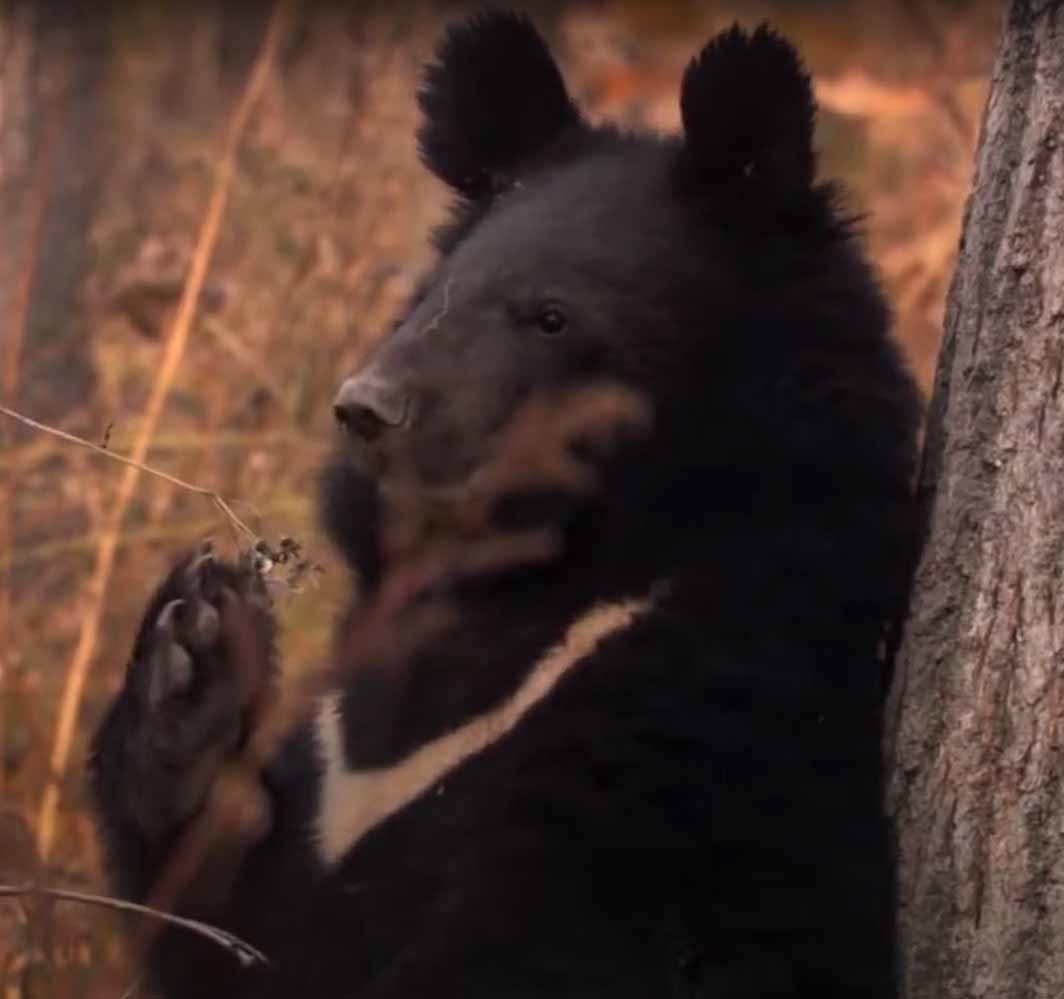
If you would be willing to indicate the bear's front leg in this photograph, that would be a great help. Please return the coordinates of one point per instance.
(203, 656)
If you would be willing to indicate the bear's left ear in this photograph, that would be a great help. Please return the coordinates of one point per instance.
(748, 112)
(493, 98)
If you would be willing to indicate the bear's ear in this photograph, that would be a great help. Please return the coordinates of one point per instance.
(493, 98)
(748, 111)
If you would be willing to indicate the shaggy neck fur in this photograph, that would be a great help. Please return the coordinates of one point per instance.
(353, 802)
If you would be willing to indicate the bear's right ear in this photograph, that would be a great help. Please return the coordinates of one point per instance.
(493, 98)
(748, 111)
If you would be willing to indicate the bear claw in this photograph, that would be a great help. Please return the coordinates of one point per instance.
(164, 623)
(171, 672)
(205, 627)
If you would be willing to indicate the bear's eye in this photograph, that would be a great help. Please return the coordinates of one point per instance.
(551, 320)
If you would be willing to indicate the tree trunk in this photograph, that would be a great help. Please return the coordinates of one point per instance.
(978, 702)
(52, 60)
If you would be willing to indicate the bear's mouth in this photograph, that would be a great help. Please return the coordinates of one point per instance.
(403, 461)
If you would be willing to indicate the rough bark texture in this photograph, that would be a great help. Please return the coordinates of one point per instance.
(52, 60)
(978, 703)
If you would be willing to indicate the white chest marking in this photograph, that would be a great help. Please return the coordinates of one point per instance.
(352, 802)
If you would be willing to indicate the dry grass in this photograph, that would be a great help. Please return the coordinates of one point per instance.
(173, 352)
(223, 292)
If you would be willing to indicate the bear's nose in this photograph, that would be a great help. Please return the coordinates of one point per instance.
(368, 406)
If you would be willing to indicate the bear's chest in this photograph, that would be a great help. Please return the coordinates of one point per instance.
(354, 801)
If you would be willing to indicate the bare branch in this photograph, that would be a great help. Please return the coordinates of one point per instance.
(241, 950)
(214, 497)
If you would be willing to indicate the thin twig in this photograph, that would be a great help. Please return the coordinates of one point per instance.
(77, 672)
(243, 951)
(214, 497)
(191, 529)
(33, 452)
(134, 988)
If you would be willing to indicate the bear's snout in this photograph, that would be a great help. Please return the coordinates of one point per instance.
(367, 405)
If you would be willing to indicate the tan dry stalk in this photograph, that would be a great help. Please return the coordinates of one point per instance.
(77, 672)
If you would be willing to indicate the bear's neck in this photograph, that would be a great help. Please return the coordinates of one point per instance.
(814, 582)
(817, 577)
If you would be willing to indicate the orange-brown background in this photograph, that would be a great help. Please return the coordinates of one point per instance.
(112, 135)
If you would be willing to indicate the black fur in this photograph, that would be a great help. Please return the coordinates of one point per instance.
(493, 99)
(748, 109)
(695, 810)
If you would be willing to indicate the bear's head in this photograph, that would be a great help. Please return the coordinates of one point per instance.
(710, 272)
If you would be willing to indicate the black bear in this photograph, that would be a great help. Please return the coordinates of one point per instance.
(650, 766)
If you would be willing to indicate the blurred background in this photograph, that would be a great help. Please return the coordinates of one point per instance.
(207, 213)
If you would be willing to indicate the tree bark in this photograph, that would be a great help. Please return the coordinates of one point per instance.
(52, 60)
(977, 708)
